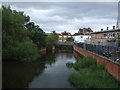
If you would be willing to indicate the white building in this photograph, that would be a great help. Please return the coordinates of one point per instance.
(82, 35)
(81, 38)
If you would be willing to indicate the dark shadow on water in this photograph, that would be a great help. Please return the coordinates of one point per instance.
(49, 69)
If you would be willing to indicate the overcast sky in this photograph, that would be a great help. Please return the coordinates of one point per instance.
(69, 16)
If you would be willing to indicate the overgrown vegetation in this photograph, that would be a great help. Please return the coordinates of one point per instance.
(91, 75)
(36, 34)
(20, 39)
(70, 39)
(70, 65)
(51, 40)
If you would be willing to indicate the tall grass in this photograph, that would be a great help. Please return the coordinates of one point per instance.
(91, 75)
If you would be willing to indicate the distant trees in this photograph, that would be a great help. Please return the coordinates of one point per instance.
(70, 39)
(16, 43)
(50, 41)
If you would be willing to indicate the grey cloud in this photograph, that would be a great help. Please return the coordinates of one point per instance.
(69, 16)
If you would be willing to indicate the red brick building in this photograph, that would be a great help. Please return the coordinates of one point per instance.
(63, 36)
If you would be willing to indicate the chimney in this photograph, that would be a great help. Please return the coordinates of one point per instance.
(113, 27)
(101, 29)
(107, 28)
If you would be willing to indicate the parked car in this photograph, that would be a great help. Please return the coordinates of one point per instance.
(118, 59)
(106, 53)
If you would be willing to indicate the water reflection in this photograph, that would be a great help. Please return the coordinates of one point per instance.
(48, 72)
(16, 75)
(56, 74)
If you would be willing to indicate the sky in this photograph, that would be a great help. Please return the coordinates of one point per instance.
(69, 16)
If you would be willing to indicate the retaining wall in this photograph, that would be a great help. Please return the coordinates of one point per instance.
(112, 67)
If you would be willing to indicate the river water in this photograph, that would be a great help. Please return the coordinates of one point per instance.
(48, 72)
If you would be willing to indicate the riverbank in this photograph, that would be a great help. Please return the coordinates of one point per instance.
(111, 67)
(91, 75)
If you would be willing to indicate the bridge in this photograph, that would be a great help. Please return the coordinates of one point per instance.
(65, 43)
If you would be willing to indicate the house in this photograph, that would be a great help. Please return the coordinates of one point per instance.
(82, 35)
(63, 36)
(104, 37)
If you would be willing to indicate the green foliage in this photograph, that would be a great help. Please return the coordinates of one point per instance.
(50, 41)
(70, 39)
(36, 34)
(90, 79)
(70, 65)
(84, 62)
(91, 75)
(15, 40)
(24, 51)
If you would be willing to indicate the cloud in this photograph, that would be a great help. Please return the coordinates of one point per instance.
(69, 16)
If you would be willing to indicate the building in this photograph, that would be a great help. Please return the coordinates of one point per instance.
(63, 36)
(118, 21)
(82, 35)
(104, 37)
(84, 31)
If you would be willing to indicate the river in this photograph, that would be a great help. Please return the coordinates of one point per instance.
(48, 72)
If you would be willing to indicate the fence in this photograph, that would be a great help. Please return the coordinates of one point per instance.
(110, 52)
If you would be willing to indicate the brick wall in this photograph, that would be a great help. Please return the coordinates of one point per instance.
(111, 67)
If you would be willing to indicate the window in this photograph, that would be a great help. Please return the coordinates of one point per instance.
(60, 36)
(64, 40)
(104, 35)
(65, 36)
(113, 34)
(60, 40)
(118, 34)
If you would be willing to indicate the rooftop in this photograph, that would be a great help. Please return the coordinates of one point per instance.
(112, 30)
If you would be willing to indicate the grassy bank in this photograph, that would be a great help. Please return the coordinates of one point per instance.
(91, 75)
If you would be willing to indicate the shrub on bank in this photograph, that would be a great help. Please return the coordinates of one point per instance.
(91, 75)
(85, 62)
(24, 51)
(69, 64)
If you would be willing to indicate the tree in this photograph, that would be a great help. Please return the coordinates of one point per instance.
(50, 41)
(70, 39)
(36, 34)
(16, 43)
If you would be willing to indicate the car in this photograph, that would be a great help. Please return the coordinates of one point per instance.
(118, 59)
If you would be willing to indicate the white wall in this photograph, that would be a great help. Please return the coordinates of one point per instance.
(81, 38)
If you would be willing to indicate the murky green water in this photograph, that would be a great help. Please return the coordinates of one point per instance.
(49, 72)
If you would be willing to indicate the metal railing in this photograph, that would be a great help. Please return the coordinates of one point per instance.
(110, 52)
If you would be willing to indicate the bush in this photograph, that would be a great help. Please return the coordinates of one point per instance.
(84, 62)
(24, 51)
(16, 44)
(69, 64)
(91, 75)
(90, 79)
